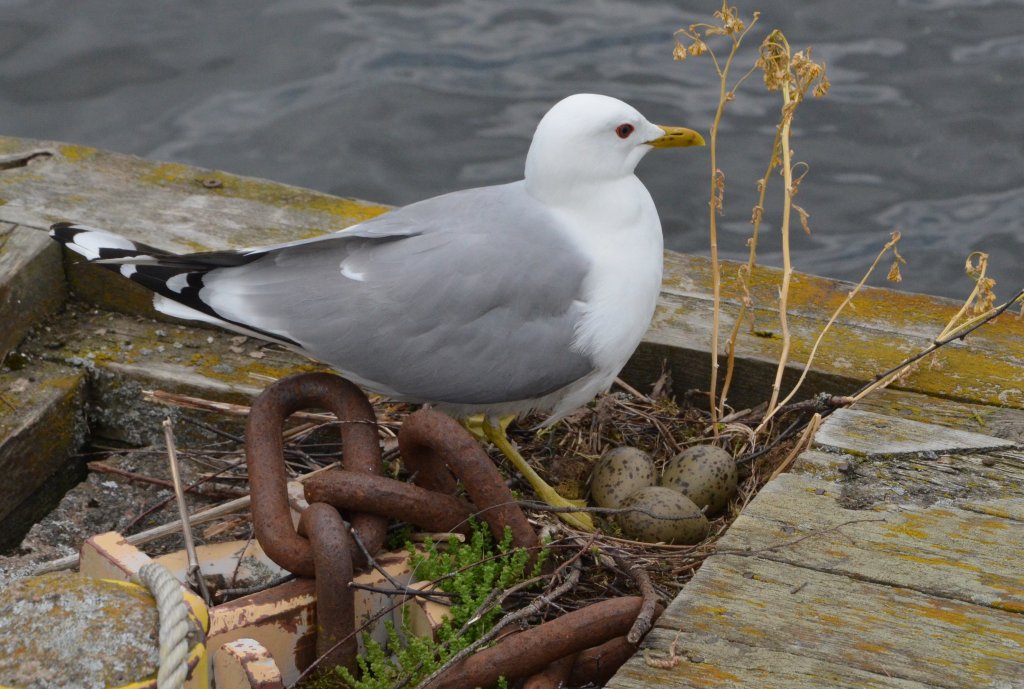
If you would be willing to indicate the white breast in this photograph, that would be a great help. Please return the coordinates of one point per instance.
(624, 242)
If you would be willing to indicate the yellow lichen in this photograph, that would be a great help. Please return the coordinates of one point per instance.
(224, 184)
(74, 153)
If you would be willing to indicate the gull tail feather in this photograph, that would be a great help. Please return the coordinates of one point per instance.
(176, 279)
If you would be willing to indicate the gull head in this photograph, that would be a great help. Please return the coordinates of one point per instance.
(588, 138)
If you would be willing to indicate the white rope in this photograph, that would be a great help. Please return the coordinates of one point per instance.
(170, 605)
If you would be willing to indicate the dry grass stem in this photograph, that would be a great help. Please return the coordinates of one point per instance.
(731, 26)
(957, 333)
(746, 273)
(772, 411)
(804, 443)
(195, 573)
(793, 75)
(980, 300)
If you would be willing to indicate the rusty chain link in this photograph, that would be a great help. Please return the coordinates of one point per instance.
(430, 441)
(264, 451)
(335, 600)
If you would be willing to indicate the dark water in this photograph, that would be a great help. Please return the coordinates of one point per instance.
(395, 101)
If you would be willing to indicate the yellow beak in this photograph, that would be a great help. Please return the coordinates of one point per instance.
(676, 137)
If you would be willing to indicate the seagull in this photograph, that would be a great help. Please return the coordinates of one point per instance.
(522, 297)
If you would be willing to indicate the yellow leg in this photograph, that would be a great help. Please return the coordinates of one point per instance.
(475, 424)
(496, 434)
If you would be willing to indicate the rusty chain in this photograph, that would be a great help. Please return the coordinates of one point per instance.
(584, 646)
(264, 451)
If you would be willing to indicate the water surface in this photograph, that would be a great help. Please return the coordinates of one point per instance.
(397, 101)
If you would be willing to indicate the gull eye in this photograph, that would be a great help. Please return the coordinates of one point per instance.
(624, 130)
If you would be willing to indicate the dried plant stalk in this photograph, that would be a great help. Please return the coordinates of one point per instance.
(890, 246)
(731, 26)
(980, 302)
(793, 75)
(746, 273)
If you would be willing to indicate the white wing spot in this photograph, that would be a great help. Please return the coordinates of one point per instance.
(178, 282)
(128, 270)
(90, 242)
(352, 274)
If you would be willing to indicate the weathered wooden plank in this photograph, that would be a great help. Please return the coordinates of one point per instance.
(173, 206)
(927, 479)
(940, 550)
(125, 355)
(989, 483)
(31, 282)
(707, 662)
(868, 434)
(883, 630)
(1000, 422)
(1006, 508)
(42, 423)
(882, 329)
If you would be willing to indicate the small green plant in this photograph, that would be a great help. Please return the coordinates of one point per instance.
(476, 573)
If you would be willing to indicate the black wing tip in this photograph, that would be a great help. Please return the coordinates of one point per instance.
(64, 232)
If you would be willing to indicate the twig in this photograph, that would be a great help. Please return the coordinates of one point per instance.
(225, 594)
(407, 591)
(201, 517)
(372, 562)
(773, 409)
(102, 468)
(802, 444)
(790, 431)
(746, 273)
(793, 75)
(195, 484)
(195, 572)
(213, 429)
(645, 618)
(631, 390)
(200, 404)
(715, 204)
(960, 333)
(787, 265)
(241, 553)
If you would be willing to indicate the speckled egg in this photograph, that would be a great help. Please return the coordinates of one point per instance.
(619, 472)
(662, 515)
(704, 473)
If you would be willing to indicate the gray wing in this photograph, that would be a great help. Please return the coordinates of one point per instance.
(468, 298)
